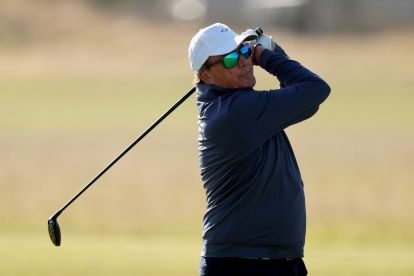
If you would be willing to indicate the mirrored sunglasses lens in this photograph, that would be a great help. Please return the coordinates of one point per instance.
(246, 51)
(231, 60)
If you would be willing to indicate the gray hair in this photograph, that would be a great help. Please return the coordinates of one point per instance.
(197, 79)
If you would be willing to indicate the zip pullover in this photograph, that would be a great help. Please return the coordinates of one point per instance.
(254, 190)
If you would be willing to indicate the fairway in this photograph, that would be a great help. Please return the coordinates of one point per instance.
(67, 109)
(175, 255)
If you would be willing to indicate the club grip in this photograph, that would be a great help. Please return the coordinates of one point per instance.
(258, 31)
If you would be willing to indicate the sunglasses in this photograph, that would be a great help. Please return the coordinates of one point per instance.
(231, 59)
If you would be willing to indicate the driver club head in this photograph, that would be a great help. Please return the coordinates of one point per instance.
(54, 231)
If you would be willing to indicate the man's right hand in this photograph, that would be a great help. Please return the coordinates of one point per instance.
(258, 49)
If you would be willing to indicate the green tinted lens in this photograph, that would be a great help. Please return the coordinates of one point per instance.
(231, 60)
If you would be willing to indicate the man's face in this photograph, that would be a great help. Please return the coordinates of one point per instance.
(240, 76)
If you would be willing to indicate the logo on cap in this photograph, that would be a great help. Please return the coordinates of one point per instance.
(224, 30)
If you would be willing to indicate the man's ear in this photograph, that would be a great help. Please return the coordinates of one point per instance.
(204, 76)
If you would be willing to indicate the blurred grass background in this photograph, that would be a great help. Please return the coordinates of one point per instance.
(78, 84)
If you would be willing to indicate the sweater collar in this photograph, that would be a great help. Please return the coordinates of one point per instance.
(207, 92)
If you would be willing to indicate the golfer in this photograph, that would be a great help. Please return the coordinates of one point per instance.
(255, 221)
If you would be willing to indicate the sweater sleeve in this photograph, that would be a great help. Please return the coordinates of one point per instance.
(258, 115)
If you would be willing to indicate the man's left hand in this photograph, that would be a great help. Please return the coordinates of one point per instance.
(251, 35)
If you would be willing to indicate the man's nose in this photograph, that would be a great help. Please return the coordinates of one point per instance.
(243, 61)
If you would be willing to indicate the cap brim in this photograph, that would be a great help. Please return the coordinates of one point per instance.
(233, 44)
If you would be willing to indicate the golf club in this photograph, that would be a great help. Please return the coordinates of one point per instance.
(52, 224)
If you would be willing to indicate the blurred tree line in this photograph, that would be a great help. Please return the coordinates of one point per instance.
(23, 20)
(296, 15)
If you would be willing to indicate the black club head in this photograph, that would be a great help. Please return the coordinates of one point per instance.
(54, 231)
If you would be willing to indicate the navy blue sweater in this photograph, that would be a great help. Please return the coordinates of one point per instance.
(255, 198)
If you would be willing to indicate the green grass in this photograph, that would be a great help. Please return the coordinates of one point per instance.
(361, 260)
(33, 254)
(71, 102)
(360, 248)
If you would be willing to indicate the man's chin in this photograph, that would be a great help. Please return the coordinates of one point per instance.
(250, 82)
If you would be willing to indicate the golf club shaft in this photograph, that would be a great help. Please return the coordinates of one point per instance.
(188, 94)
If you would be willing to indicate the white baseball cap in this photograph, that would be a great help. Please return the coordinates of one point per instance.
(214, 40)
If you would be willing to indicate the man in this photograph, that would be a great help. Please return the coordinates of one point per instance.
(255, 220)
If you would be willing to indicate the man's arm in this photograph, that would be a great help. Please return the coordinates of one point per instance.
(258, 115)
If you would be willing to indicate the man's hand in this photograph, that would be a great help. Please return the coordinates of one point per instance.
(261, 42)
(257, 36)
(266, 41)
(258, 49)
(252, 35)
